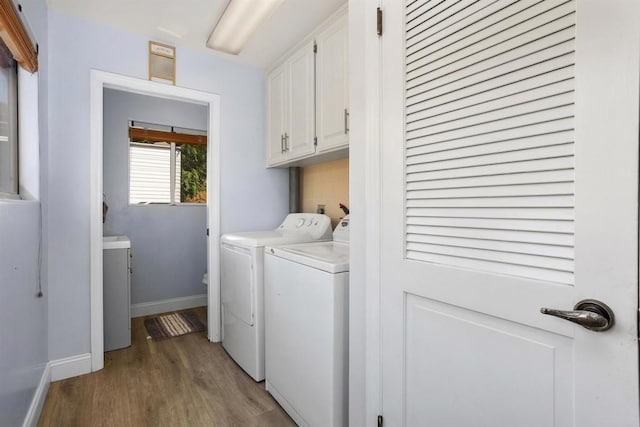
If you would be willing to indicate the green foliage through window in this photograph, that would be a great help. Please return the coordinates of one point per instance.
(193, 167)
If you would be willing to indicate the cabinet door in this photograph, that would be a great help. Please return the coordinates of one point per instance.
(116, 299)
(276, 115)
(300, 128)
(332, 87)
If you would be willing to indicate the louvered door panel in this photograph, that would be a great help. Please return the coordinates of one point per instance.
(489, 107)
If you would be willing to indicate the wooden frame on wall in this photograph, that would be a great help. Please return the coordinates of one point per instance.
(162, 63)
(15, 37)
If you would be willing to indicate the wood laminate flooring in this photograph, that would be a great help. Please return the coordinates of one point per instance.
(180, 381)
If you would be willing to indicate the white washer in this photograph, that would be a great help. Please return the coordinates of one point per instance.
(307, 331)
(242, 284)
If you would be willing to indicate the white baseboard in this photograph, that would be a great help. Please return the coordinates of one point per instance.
(68, 367)
(35, 409)
(166, 305)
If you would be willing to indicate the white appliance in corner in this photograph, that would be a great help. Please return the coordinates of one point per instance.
(242, 284)
(307, 330)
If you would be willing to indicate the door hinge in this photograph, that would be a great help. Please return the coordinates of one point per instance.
(207, 231)
(315, 141)
(379, 21)
(315, 47)
(380, 421)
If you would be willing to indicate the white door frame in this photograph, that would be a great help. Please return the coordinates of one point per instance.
(365, 197)
(99, 81)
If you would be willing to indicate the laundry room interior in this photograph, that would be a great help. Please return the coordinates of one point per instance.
(319, 213)
(167, 237)
(216, 206)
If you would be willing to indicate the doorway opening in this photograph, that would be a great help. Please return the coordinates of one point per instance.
(99, 82)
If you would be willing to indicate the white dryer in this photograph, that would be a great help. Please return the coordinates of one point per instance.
(242, 284)
(307, 330)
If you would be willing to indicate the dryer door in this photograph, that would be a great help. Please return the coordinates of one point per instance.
(237, 284)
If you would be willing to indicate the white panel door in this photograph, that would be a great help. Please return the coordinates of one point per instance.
(300, 128)
(332, 86)
(276, 115)
(509, 184)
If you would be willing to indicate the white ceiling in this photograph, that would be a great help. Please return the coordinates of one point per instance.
(188, 23)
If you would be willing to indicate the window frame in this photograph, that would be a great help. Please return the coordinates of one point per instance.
(24, 52)
(15, 36)
(12, 132)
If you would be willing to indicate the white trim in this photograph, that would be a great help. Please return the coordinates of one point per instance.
(35, 409)
(365, 182)
(29, 138)
(166, 305)
(99, 81)
(9, 196)
(72, 366)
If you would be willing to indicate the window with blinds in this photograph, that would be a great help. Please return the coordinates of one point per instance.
(489, 136)
(150, 167)
(167, 164)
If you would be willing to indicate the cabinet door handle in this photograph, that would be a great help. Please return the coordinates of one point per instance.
(346, 121)
(281, 143)
(286, 142)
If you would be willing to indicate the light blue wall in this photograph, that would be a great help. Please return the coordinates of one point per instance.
(23, 335)
(23, 316)
(251, 196)
(168, 242)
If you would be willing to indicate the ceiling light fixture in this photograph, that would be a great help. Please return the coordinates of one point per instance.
(239, 22)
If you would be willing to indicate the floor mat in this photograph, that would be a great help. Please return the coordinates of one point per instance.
(173, 325)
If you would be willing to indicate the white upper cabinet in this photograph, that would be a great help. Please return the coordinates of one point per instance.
(276, 115)
(299, 138)
(290, 108)
(307, 99)
(332, 113)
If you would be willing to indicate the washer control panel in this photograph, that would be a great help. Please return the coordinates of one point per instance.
(317, 225)
(341, 233)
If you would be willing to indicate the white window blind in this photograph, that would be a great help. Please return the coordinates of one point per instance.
(150, 173)
(489, 136)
